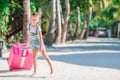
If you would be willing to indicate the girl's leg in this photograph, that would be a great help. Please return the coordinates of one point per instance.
(43, 52)
(34, 61)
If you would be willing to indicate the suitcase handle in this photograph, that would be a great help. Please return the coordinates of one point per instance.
(18, 48)
(24, 46)
(24, 53)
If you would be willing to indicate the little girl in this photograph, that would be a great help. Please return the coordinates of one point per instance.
(34, 38)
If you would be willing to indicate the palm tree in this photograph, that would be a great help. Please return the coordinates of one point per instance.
(65, 25)
(78, 24)
(26, 17)
(51, 32)
(59, 26)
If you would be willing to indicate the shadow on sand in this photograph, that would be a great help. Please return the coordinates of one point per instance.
(110, 60)
(97, 59)
(18, 75)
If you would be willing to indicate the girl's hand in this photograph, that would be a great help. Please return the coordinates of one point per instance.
(28, 44)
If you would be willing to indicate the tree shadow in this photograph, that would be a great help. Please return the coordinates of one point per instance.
(9, 71)
(22, 76)
(17, 75)
(105, 42)
(4, 71)
(108, 60)
(93, 54)
(84, 48)
(3, 58)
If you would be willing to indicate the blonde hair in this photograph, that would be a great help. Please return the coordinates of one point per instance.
(37, 15)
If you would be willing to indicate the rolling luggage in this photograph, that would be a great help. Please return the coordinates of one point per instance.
(20, 57)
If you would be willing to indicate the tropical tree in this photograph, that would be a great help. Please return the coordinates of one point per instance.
(78, 24)
(85, 8)
(59, 26)
(4, 17)
(93, 14)
(65, 25)
(26, 17)
(51, 31)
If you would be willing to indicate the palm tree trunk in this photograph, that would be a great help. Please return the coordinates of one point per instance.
(83, 30)
(59, 28)
(26, 18)
(65, 26)
(78, 24)
(51, 31)
(88, 21)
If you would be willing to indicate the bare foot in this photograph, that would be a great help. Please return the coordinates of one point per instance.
(34, 74)
(52, 70)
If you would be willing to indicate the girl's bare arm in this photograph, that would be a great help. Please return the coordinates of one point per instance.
(28, 38)
(40, 37)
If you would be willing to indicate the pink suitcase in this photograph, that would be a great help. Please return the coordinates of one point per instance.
(20, 57)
